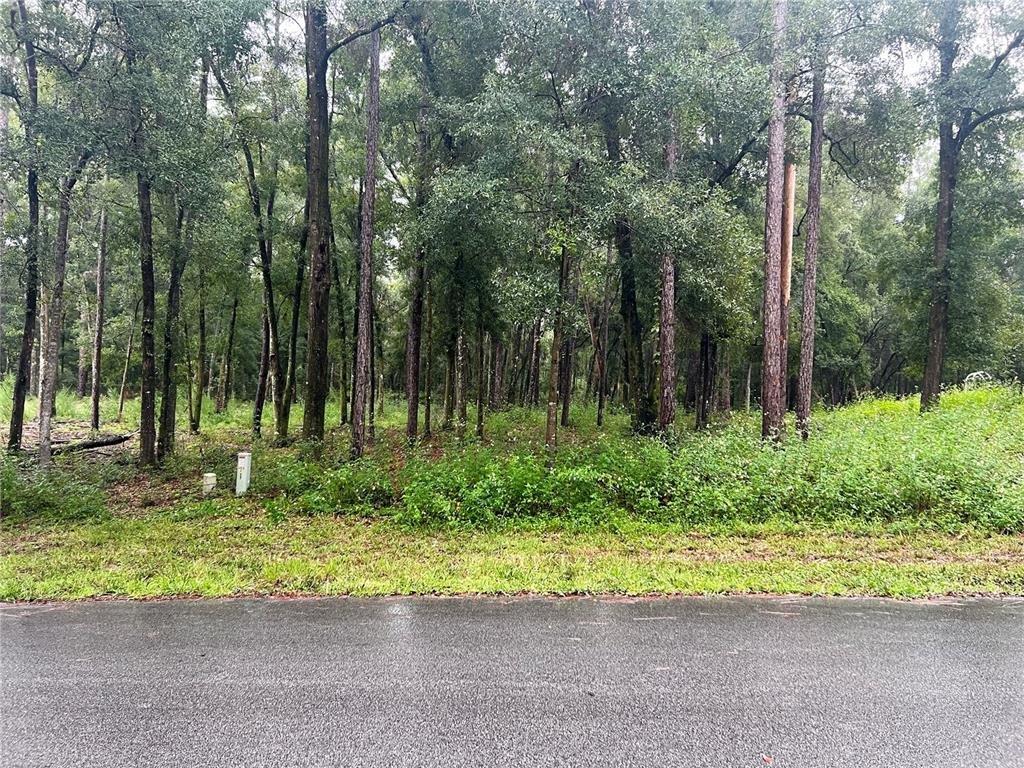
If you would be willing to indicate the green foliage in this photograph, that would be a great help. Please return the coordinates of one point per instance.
(877, 461)
(27, 492)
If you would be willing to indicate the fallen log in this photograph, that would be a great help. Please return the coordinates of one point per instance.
(99, 442)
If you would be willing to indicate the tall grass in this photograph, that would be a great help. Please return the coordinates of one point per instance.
(875, 461)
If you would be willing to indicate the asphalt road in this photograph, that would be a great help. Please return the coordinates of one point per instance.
(521, 682)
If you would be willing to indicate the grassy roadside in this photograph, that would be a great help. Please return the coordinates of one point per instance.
(882, 500)
(242, 552)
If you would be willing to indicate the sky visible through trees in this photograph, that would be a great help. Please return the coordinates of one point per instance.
(671, 208)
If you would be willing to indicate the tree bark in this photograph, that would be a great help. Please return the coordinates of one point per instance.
(786, 273)
(291, 367)
(949, 162)
(127, 360)
(667, 315)
(771, 374)
(318, 237)
(567, 358)
(414, 334)
(263, 221)
(97, 341)
(460, 382)
(224, 381)
(147, 419)
(724, 404)
(25, 355)
(169, 378)
(428, 378)
(364, 349)
(84, 332)
(551, 428)
(497, 373)
(196, 385)
(448, 406)
(808, 323)
(643, 411)
(48, 374)
(706, 388)
(261, 377)
(339, 303)
(602, 358)
(481, 374)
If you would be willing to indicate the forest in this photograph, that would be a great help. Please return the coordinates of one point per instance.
(448, 257)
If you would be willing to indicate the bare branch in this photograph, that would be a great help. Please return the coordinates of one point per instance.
(363, 31)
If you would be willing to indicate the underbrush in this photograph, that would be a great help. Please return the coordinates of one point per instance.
(875, 462)
(28, 492)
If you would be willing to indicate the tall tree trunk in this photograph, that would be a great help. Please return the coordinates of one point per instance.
(808, 323)
(771, 373)
(497, 373)
(532, 364)
(746, 386)
(147, 419)
(602, 357)
(44, 334)
(460, 382)
(448, 406)
(292, 365)
(127, 361)
(84, 333)
(196, 385)
(21, 380)
(169, 378)
(535, 366)
(318, 237)
(263, 221)
(339, 302)
(706, 389)
(48, 374)
(428, 378)
(551, 428)
(224, 388)
(667, 314)
(949, 166)
(414, 334)
(786, 274)
(40, 334)
(97, 341)
(261, 377)
(481, 374)
(364, 350)
(643, 411)
(567, 358)
(724, 404)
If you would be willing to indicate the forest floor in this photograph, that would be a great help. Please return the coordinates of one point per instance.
(881, 501)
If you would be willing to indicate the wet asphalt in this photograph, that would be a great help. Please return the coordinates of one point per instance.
(733, 681)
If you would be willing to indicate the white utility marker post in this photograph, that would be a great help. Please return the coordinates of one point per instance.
(242, 473)
(209, 483)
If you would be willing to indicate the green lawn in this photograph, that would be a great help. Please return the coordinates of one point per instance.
(237, 552)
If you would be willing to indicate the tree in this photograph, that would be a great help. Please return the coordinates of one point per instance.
(101, 300)
(772, 407)
(364, 349)
(967, 98)
(28, 119)
(48, 374)
(809, 325)
(318, 205)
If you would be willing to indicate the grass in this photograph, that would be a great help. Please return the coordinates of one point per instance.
(231, 552)
(880, 501)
